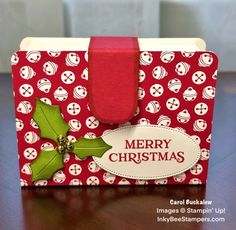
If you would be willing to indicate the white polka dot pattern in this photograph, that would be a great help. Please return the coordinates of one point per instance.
(176, 89)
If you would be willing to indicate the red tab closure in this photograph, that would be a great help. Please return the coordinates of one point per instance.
(113, 65)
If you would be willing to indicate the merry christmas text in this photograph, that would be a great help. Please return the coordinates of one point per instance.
(153, 150)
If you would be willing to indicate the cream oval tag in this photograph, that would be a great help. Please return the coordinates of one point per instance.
(148, 152)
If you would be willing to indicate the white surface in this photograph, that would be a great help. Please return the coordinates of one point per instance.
(84, 18)
(146, 44)
(167, 139)
(21, 18)
(212, 20)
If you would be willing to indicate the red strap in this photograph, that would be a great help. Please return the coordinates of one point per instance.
(113, 78)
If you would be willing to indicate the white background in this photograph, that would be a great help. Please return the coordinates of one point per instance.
(212, 20)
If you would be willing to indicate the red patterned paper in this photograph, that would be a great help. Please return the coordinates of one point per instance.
(176, 89)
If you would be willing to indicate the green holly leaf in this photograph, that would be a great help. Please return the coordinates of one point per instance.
(90, 147)
(46, 164)
(50, 121)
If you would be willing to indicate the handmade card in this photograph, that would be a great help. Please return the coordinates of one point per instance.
(113, 111)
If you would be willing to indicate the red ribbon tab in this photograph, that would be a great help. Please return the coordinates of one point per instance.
(113, 78)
